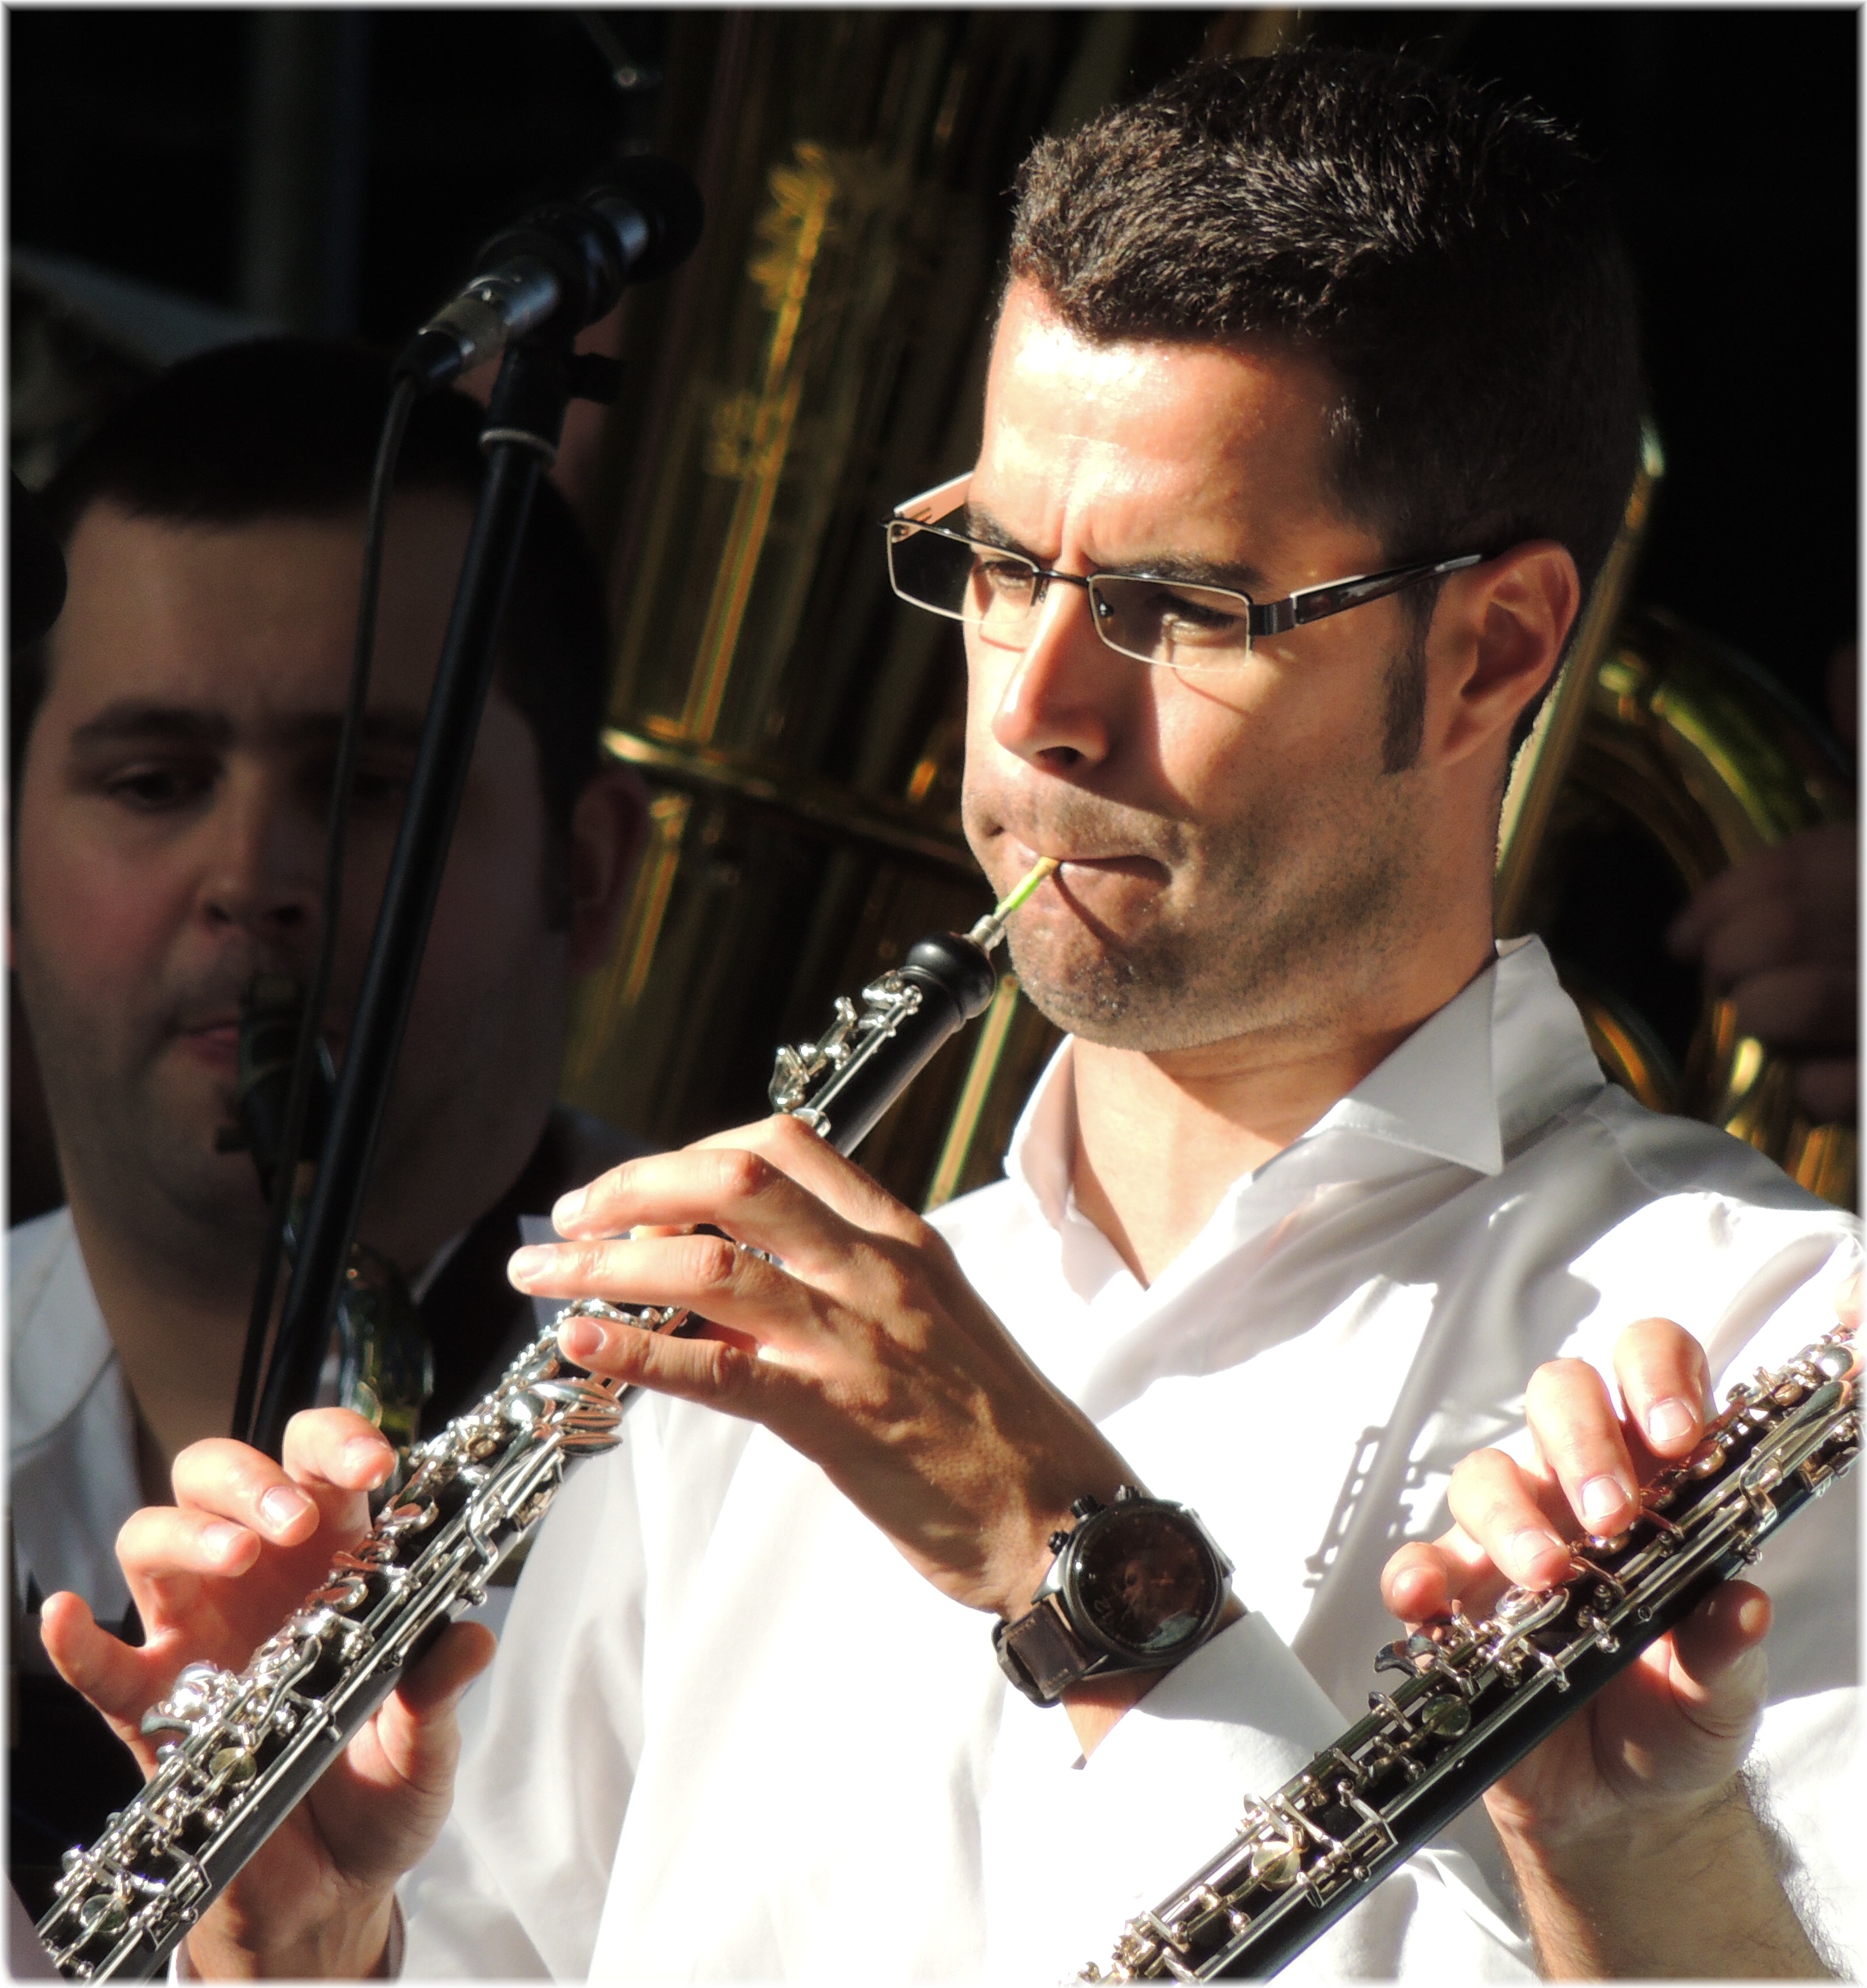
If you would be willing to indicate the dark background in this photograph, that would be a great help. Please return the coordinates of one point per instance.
(162, 144)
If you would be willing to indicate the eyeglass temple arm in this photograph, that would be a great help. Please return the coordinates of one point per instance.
(1316, 603)
(931, 506)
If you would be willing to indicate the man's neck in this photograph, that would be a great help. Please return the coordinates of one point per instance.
(178, 1322)
(1160, 1136)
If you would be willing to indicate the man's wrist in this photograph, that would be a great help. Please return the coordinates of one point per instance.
(1562, 1847)
(363, 1945)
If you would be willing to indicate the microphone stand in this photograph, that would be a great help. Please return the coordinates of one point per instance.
(537, 378)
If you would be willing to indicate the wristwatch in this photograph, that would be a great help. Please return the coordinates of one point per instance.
(1135, 1586)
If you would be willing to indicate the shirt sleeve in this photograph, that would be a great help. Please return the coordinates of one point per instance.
(1164, 1793)
(514, 1886)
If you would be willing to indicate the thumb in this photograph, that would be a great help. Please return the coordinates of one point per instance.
(114, 1677)
(418, 1730)
(1719, 1672)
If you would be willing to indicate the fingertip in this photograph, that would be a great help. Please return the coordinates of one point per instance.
(1671, 1425)
(1662, 1372)
(457, 1658)
(231, 1548)
(1719, 1644)
(1747, 1607)
(290, 1516)
(480, 1644)
(1413, 1593)
(581, 1339)
(1848, 1304)
(1534, 1557)
(366, 1461)
(530, 1265)
(64, 1620)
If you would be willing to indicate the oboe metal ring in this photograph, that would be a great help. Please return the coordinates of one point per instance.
(648, 1318)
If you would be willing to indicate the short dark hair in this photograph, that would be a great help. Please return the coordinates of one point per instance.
(288, 427)
(1451, 257)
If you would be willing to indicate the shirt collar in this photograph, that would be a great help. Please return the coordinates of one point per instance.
(1436, 1094)
(1505, 1055)
(57, 1342)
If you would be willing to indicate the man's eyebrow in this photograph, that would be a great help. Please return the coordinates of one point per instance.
(136, 720)
(133, 721)
(980, 524)
(1238, 575)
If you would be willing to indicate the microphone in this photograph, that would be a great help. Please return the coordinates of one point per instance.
(562, 266)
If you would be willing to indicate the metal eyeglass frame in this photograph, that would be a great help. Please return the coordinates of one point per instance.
(1274, 617)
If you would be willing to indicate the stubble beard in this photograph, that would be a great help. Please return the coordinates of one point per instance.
(138, 1150)
(1261, 930)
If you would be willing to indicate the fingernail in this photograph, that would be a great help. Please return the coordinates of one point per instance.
(360, 1454)
(1602, 1498)
(225, 1540)
(1667, 1421)
(569, 1207)
(1529, 1547)
(282, 1506)
(533, 1261)
(581, 1337)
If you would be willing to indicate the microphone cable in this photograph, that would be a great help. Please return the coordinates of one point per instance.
(402, 398)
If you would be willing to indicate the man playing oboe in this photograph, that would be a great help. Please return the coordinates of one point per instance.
(1312, 411)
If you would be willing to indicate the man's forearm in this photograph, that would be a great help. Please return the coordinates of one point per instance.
(1698, 1897)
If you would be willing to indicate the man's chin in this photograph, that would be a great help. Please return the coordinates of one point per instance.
(224, 1193)
(1153, 1004)
(204, 1183)
(1088, 992)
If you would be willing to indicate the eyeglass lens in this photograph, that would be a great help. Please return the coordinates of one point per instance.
(997, 594)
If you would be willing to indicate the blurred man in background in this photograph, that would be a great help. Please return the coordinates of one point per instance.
(173, 739)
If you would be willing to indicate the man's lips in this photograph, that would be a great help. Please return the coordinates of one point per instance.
(1079, 868)
(217, 1038)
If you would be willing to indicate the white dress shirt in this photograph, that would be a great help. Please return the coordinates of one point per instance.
(731, 1737)
(71, 1426)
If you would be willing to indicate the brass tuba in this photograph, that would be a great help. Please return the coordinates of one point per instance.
(1661, 758)
(800, 730)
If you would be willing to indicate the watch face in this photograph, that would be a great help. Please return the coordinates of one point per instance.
(1144, 1579)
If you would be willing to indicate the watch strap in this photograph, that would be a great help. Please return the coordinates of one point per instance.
(1043, 1655)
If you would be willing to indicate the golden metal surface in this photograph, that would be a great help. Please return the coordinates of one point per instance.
(823, 353)
(993, 1033)
(1540, 765)
(820, 806)
(1689, 748)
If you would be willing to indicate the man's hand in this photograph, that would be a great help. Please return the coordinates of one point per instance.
(1779, 936)
(1641, 1782)
(862, 1346)
(212, 1577)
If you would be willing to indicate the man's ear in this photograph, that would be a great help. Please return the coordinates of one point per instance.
(609, 829)
(1500, 629)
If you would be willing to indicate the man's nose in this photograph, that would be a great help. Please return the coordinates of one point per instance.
(263, 871)
(1062, 696)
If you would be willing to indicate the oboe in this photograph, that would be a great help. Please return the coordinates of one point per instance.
(241, 1749)
(1477, 1696)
